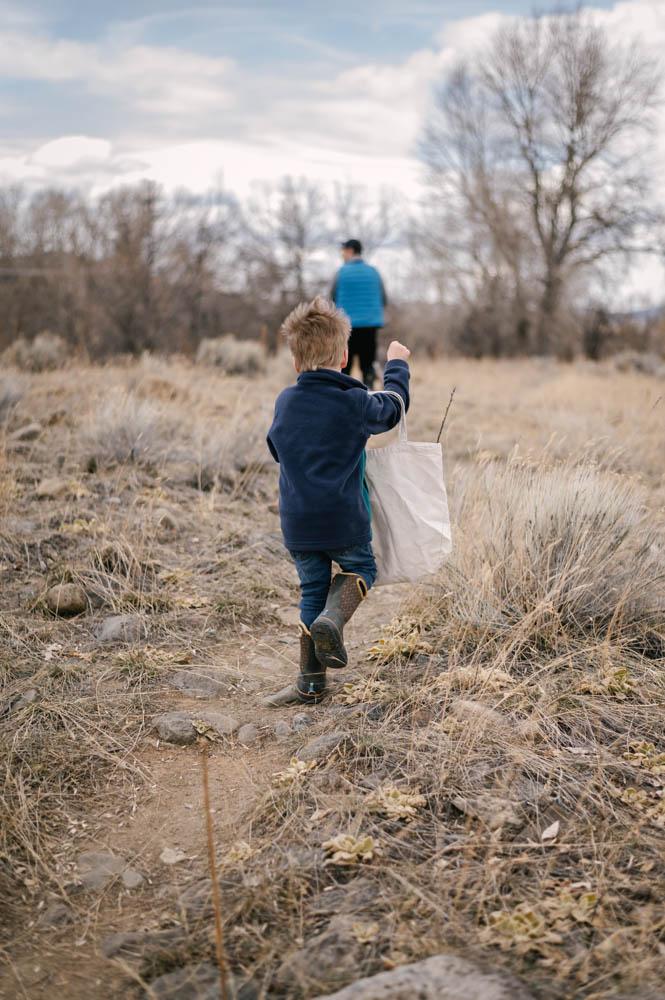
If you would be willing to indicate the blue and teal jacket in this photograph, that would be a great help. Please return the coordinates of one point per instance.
(318, 436)
(359, 291)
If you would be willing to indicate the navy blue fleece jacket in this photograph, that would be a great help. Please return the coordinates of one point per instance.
(318, 436)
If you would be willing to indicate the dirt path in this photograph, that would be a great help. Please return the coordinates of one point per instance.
(168, 812)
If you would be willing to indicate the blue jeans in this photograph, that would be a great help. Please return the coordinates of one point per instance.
(315, 569)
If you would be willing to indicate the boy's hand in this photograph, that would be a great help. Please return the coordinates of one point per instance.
(398, 352)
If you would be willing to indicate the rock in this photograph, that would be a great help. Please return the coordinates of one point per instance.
(141, 944)
(198, 982)
(474, 711)
(327, 959)
(53, 488)
(248, 734)
(166, 521)
(282, 729)
(29, 432)
(132, 879)
(285, 696)
(530, 730)
(56, 915)
(98, 867)
(223, 725)
(122, 628)
(322, 746)
(202, 685)
(175, 727)
(66, 599)
(351, 898)
(302, 721)
(19, 701)
(444, 977)
(172, 856)
(492, 810)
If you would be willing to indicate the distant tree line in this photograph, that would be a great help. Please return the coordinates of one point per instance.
(136, 270)
(539, 176)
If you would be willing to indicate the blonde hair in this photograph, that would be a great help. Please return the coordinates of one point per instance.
(317, 333)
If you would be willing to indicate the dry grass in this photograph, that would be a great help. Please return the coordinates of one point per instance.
(234, 357)
(521, 690)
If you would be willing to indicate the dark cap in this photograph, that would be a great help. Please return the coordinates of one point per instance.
(354, 245)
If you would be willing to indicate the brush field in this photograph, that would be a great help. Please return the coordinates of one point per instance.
(488, 776)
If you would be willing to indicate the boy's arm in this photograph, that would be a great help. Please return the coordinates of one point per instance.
(383, 411)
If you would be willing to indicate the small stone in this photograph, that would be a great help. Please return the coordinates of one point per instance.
(98, 867)
(474, 711)
(66, 599)
(29, 432)
(282, 729)
(286, 696)
(443, 977)
(122, 628)
(56, 915)
(248, 734)
(200, 685)
(530, 730)
(334, 953)
(172, 856)
(197, 982)
(321, 747)
(495, 812)
(166, 521)
(131, 879)
(223, 725)
(19, 701)
(141, 944)
(53, 488)
(302, 721)
(175, 727)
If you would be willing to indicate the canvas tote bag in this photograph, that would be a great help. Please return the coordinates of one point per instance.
(410, 521)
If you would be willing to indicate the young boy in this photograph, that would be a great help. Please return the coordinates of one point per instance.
(318, 436)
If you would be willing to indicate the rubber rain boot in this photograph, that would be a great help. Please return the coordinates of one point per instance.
(311, 681)
(346, 593)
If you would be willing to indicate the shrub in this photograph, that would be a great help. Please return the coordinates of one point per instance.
(235, 357)
(553, 555)
(46, 352)
(126, 429)
(11, 392)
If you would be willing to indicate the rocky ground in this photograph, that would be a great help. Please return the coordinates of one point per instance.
(148, 609)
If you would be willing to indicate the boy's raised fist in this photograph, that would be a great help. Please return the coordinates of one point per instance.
(398, 352)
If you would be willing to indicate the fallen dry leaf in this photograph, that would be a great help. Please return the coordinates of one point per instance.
(345, 849)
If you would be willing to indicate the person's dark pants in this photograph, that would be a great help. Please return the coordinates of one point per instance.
(362, 343)
(315, 571)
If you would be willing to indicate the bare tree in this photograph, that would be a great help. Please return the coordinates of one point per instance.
(376, 218)
(540, 138)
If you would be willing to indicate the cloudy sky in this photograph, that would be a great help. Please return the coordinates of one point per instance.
(97, 94)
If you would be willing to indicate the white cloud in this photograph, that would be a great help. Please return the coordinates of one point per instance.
(156, 79)
(72, 152)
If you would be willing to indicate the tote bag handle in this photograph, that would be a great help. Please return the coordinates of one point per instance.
(403, 435)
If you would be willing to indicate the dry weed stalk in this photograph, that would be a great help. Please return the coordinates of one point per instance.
(216, 895)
